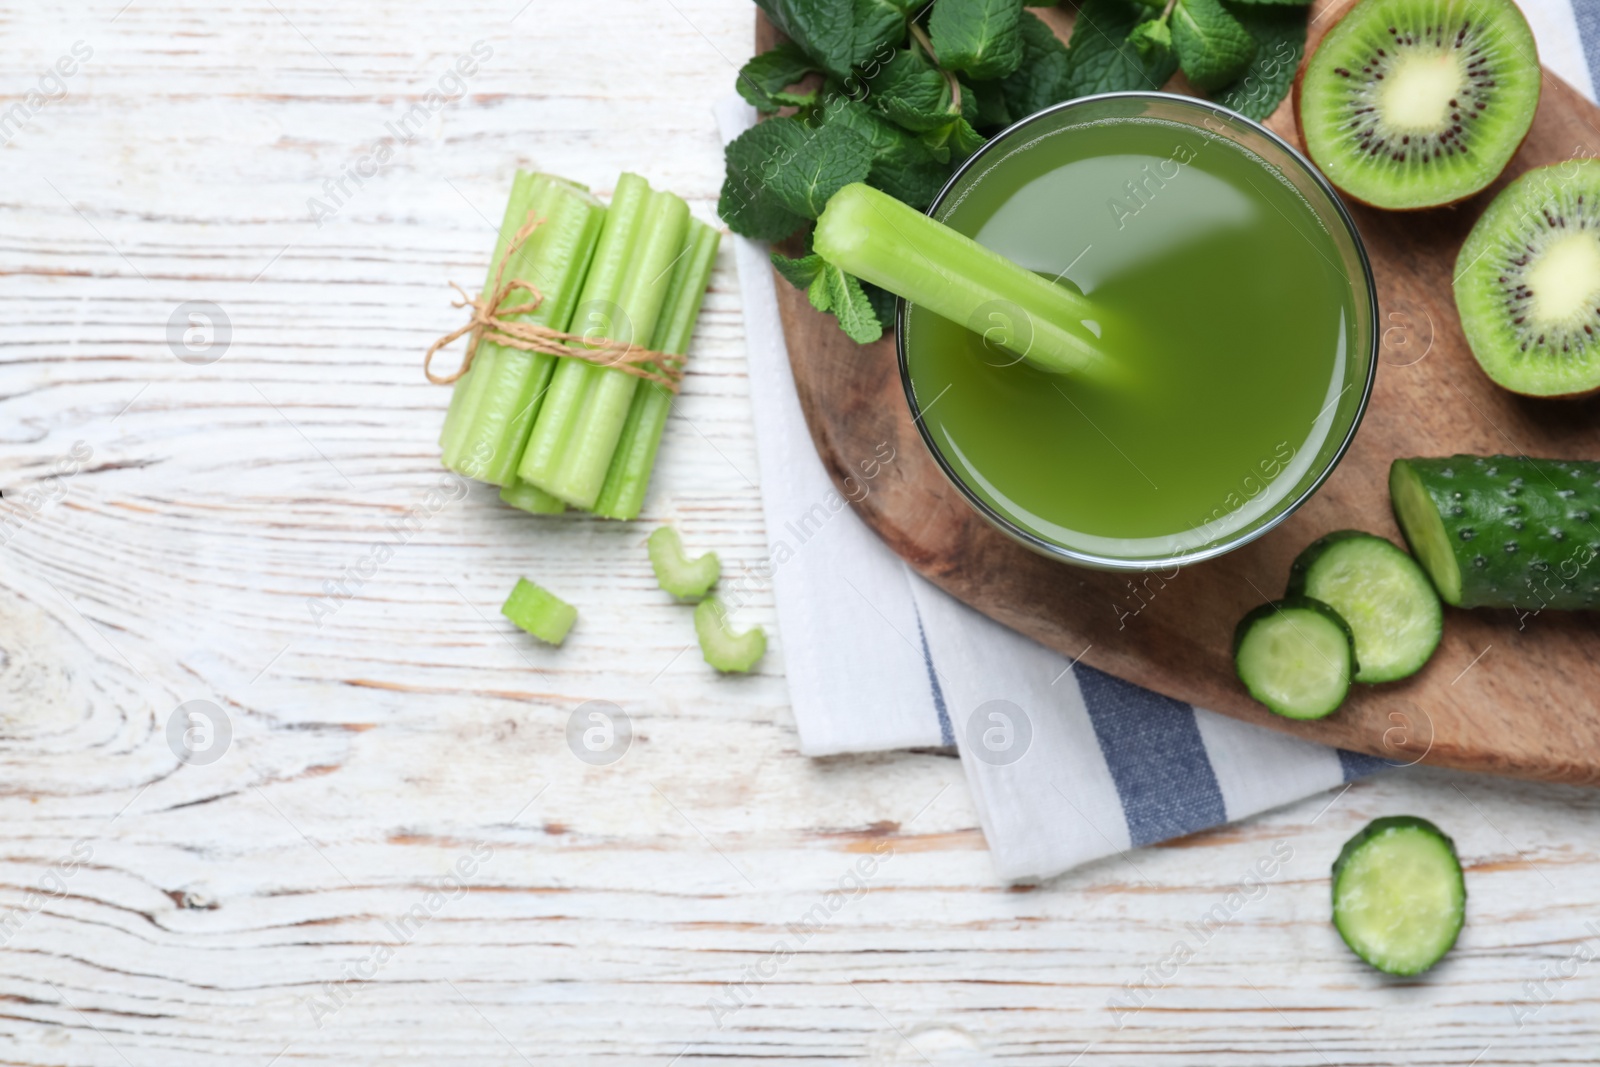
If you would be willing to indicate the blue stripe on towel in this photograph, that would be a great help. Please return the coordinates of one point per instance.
(947, 733)
(1587, 14)
(1156, 757)
(1359, 764)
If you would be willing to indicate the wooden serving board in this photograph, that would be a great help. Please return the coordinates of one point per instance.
(1501, 695)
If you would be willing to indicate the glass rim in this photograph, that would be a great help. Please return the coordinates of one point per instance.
(1243, 537)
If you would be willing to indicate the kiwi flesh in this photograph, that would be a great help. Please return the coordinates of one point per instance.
(1411, 104)
(1527, 282)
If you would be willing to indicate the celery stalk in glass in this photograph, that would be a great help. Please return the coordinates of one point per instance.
(622, 496)
(877, 238)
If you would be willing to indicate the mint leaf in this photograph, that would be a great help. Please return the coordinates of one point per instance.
(1213, 48)
(751, 212)
(912, 92)
(981, 38)
(762, 81)
(952, 142)
(821, 296)
(801, 272)
(912, 174)
(1152, 39)
(841, 35)
(1271, 3)
(748, 205)
(795, 166)
(1041, 80)
(853, 309)
(834, 290)
(1100, 58)
(824, 161)
(782, 172)
(902, 166)
(1280, 34)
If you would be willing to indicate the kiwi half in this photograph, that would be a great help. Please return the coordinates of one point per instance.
(1414, 103)
(1528, 282)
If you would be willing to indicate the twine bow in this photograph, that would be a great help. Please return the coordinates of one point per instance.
(491, 321)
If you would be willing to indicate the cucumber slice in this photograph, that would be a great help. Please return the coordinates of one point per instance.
(726, 651)
(1296, 656)
(1398, 895)
(684, 578)
(539, 612)
(1383, 595)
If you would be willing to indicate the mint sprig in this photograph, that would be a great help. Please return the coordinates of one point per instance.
(897, 93)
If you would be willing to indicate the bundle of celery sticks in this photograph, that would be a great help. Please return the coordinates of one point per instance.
(556, 432)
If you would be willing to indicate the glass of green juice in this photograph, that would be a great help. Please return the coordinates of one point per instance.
(1230, 289)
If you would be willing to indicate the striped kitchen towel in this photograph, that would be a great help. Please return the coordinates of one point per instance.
(1066, 764)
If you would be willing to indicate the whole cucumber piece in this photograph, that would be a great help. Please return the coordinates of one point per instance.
(1503, 531)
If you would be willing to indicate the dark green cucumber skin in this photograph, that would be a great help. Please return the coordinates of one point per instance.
(1525, 532)
(1373, 829)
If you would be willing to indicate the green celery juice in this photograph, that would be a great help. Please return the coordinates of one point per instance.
(1216, 288)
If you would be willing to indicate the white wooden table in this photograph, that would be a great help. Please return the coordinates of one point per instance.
(282, 903)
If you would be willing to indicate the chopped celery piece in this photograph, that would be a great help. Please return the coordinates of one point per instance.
(724, 650)
(877, 238)
(684, 578)
(487, 439)
(622, 496)
(587, 406)
(519, 494)
(539, 612)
